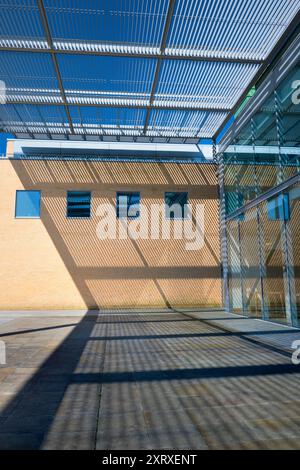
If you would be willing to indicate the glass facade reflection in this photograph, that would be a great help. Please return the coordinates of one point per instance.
(267, 149)
(262, 232)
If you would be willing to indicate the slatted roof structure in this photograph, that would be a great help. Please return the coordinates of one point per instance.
(134, 70)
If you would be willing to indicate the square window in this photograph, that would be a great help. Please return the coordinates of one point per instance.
(278, 208)
(176, 205)
(128, 205)
(28, 204)
(78, 204)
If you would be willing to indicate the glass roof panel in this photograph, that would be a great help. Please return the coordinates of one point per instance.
(138, 67)
(94, 118)
(112, 21)
(97, 80)
(184, 123)
(29, 118)
(214, 84)
(230, 28)
(27, 70)
(20, 19)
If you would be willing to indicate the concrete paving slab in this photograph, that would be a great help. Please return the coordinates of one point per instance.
(155, 379)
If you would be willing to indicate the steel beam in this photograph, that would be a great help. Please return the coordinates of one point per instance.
(106, 133)
(219, 160)
(163, 44)
(112, 138)
(110, 105)
(45, 23)
(135, 54)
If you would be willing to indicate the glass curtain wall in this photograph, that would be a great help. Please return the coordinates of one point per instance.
(263, 243)
(293, 246)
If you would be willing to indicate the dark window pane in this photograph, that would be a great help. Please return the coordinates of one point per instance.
(128, 205)
(78, 204)
(175, 205)
(28, 204)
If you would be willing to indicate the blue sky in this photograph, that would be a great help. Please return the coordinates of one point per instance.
(225, 129)
(3, 138)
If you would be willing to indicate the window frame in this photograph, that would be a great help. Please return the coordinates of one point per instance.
(184, 216)
(16, 203)
(90, 205)
(126, 193)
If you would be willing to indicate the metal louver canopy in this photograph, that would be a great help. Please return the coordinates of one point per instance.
(148, 70)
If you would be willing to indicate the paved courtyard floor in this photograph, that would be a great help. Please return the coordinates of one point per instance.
(147, 380)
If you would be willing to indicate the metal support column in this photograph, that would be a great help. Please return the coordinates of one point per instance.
(260, 234)
(219, 160)
(238, 202)
(288, 266)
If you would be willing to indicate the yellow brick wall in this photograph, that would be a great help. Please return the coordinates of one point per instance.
(59, 263)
